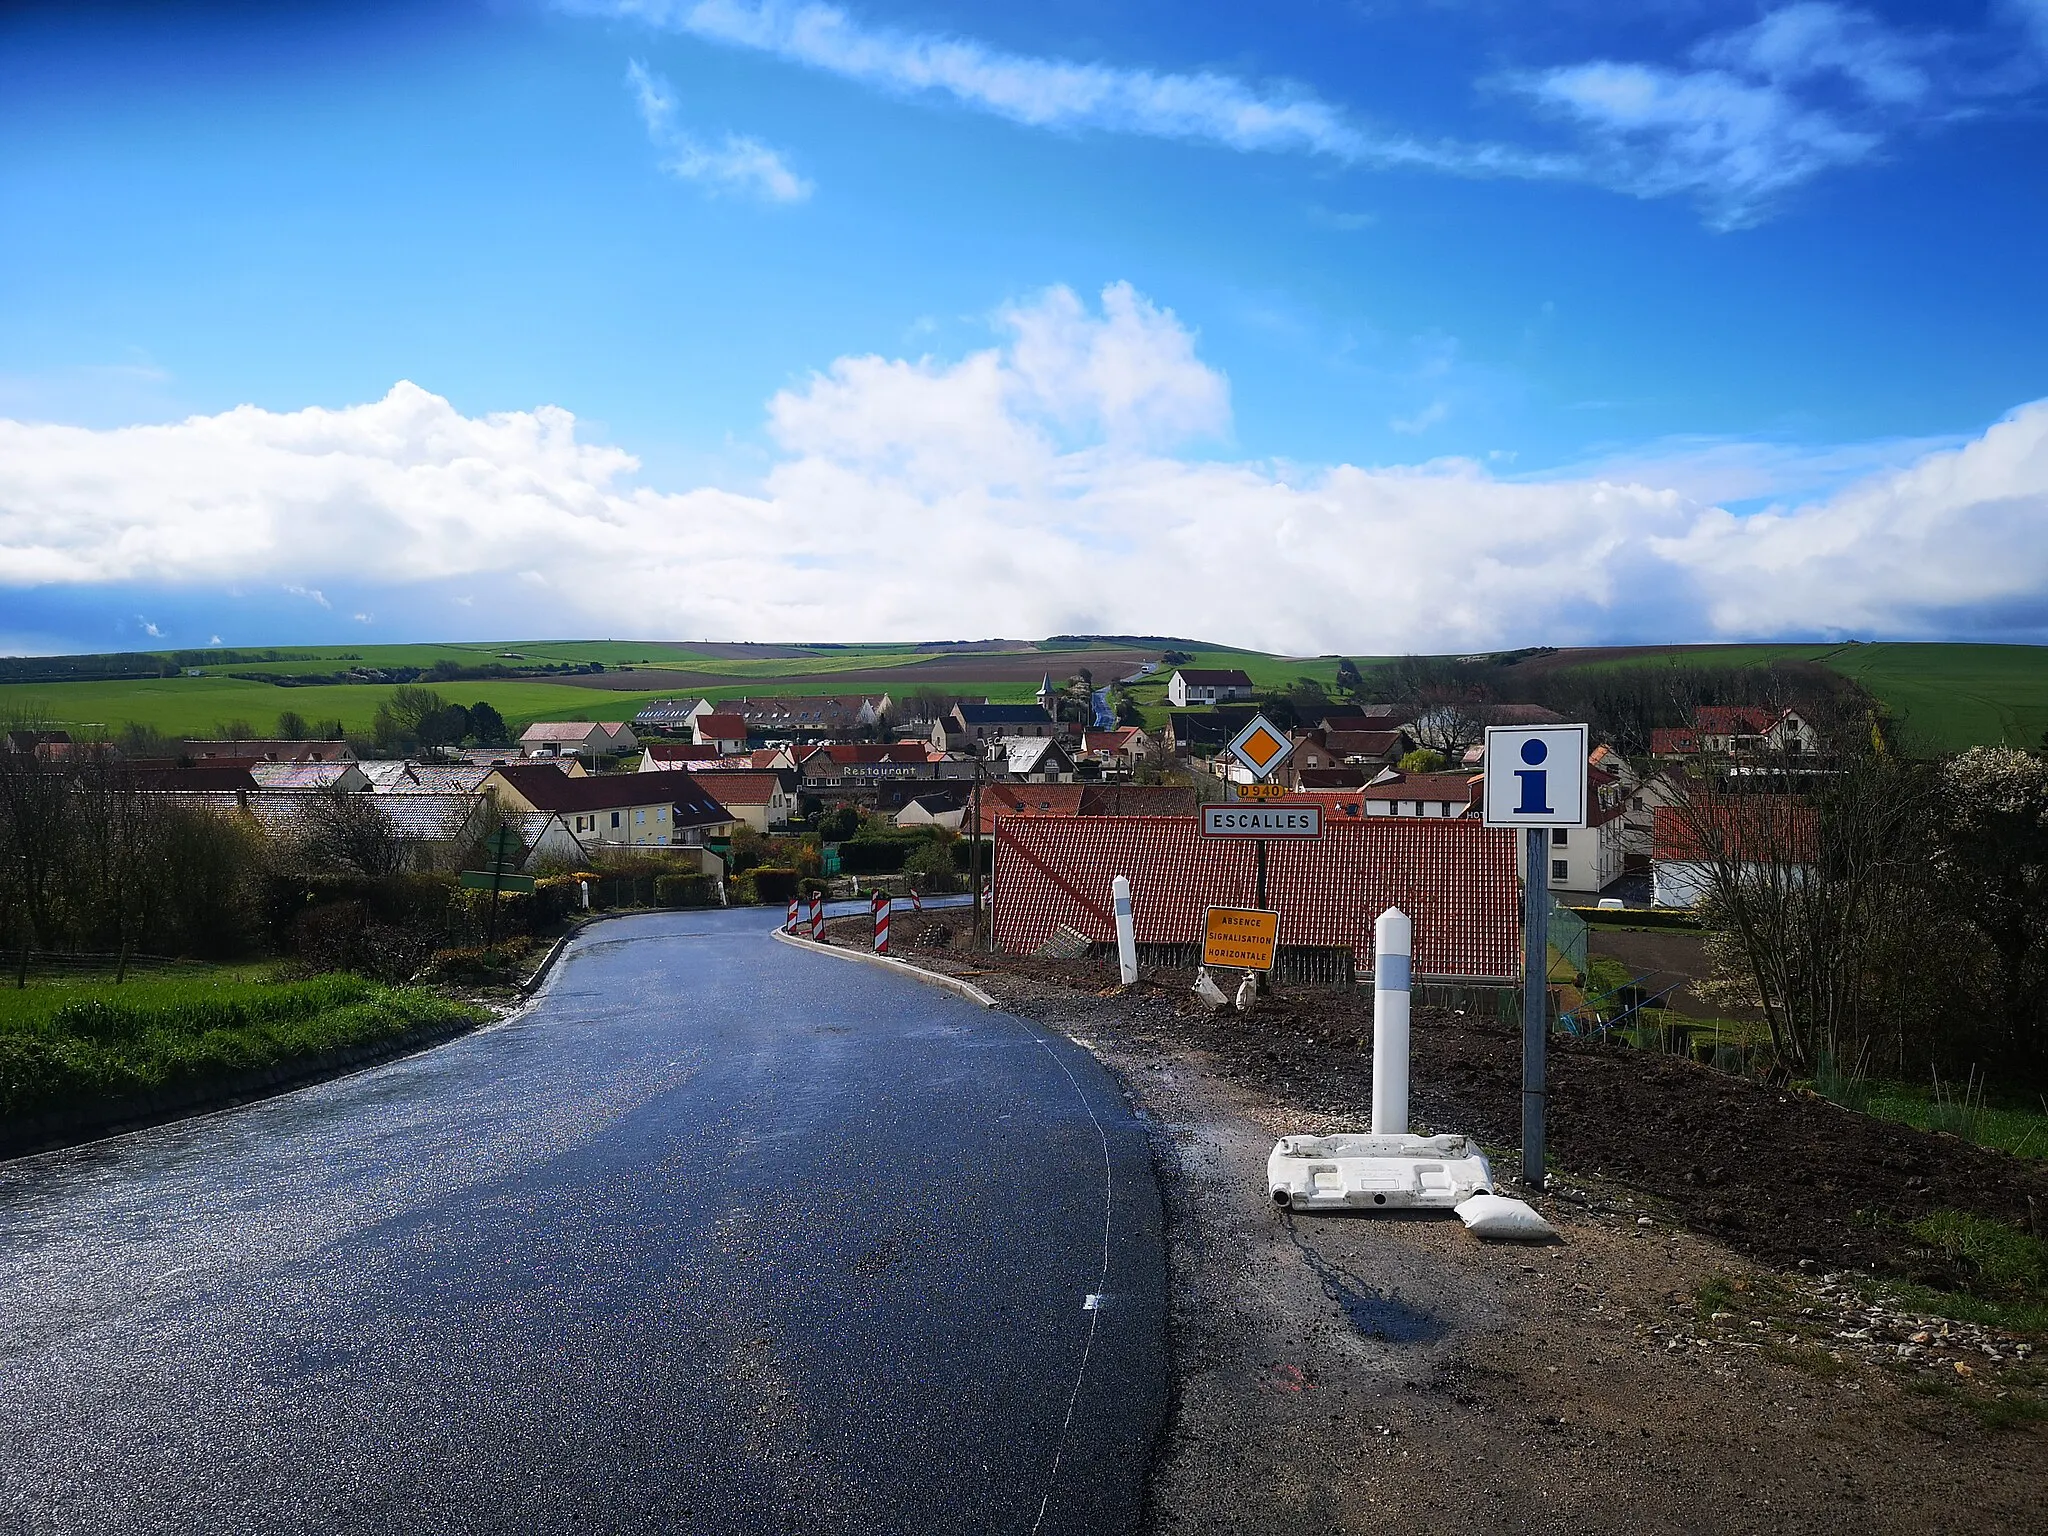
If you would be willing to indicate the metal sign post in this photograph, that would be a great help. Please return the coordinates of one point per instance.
(505, 849)
(1536, 781)
(1535, 998)
(1262, 748)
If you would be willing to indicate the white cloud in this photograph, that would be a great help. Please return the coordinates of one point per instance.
(311, 594)
(1754, 112)
(736, 163)
(1733, 143)
(148, 628)
(1204, 107)
(1813, 40)
(1044, 484)
(1434, 414)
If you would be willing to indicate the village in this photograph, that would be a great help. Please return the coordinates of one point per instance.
(681, 778)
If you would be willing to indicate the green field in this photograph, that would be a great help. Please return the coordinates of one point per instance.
(79, 1043)
(1947, 696)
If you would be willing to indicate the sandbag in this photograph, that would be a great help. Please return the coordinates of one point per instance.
(1499, 1216)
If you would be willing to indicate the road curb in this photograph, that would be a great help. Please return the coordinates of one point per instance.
(966, 989)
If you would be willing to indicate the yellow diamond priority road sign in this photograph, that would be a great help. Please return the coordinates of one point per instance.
(1261, 747)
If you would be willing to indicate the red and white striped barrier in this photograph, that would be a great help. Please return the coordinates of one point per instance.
(916, 901)
(789, 924)
(817, 915)
(881, 923)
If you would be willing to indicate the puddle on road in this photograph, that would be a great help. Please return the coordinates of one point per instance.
(1374, 1313)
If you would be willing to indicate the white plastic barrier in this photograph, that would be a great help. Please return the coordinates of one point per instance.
(1311, 1173)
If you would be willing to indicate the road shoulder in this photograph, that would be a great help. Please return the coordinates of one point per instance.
(1355, 1374)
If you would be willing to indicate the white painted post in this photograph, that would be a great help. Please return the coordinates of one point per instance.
(1393, 939)
(1126, 931)
(583, 893)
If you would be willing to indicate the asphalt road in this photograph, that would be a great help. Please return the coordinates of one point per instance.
(717, 1236)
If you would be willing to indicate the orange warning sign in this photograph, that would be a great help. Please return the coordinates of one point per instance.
(1239, 939)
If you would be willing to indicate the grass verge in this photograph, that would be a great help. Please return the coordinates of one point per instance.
(80, 1046)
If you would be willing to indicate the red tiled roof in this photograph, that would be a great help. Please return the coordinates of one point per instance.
(1673, 741)
(842, 752)
(1109, 741)
(680, 752)
(1361, 743)
(1137, 800)
(742, 786)
(1457, 788)
(1454, 877)
(1734, 719)
(1029, 800)
(1214, 677)
(1754, 829)
(723, 727)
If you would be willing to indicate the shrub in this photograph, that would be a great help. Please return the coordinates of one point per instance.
(682, 890)
(872, 857)
(933, 868)
(347, 936)
(775, 887)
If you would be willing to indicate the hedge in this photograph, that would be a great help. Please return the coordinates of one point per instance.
(682, 890)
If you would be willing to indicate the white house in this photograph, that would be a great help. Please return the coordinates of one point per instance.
(1584, 861)
(1032, 759)
(1200, 685)
(1417, 794)
(941, 808)
(1754, 836)
(725, 732)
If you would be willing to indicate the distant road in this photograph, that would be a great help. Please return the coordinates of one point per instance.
(720, 1236)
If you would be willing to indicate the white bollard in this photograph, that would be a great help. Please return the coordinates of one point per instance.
(583, 893)
(1126, 931)
(1393, 938)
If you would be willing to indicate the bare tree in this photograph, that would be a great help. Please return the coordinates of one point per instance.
(1814, 879)
(1444, 701)
(349, 833)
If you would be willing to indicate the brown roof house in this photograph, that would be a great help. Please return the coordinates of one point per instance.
(643, 811)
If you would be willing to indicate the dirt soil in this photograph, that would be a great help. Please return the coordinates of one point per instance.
(1698, 1353)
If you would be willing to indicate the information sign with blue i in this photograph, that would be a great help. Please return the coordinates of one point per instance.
(1535, 780)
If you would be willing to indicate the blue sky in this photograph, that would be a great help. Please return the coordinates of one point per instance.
(1393, 270)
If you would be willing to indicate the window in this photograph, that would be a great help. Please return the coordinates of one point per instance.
(661, 813)
(1559, 836)
(615, 818)
(1559, 869)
